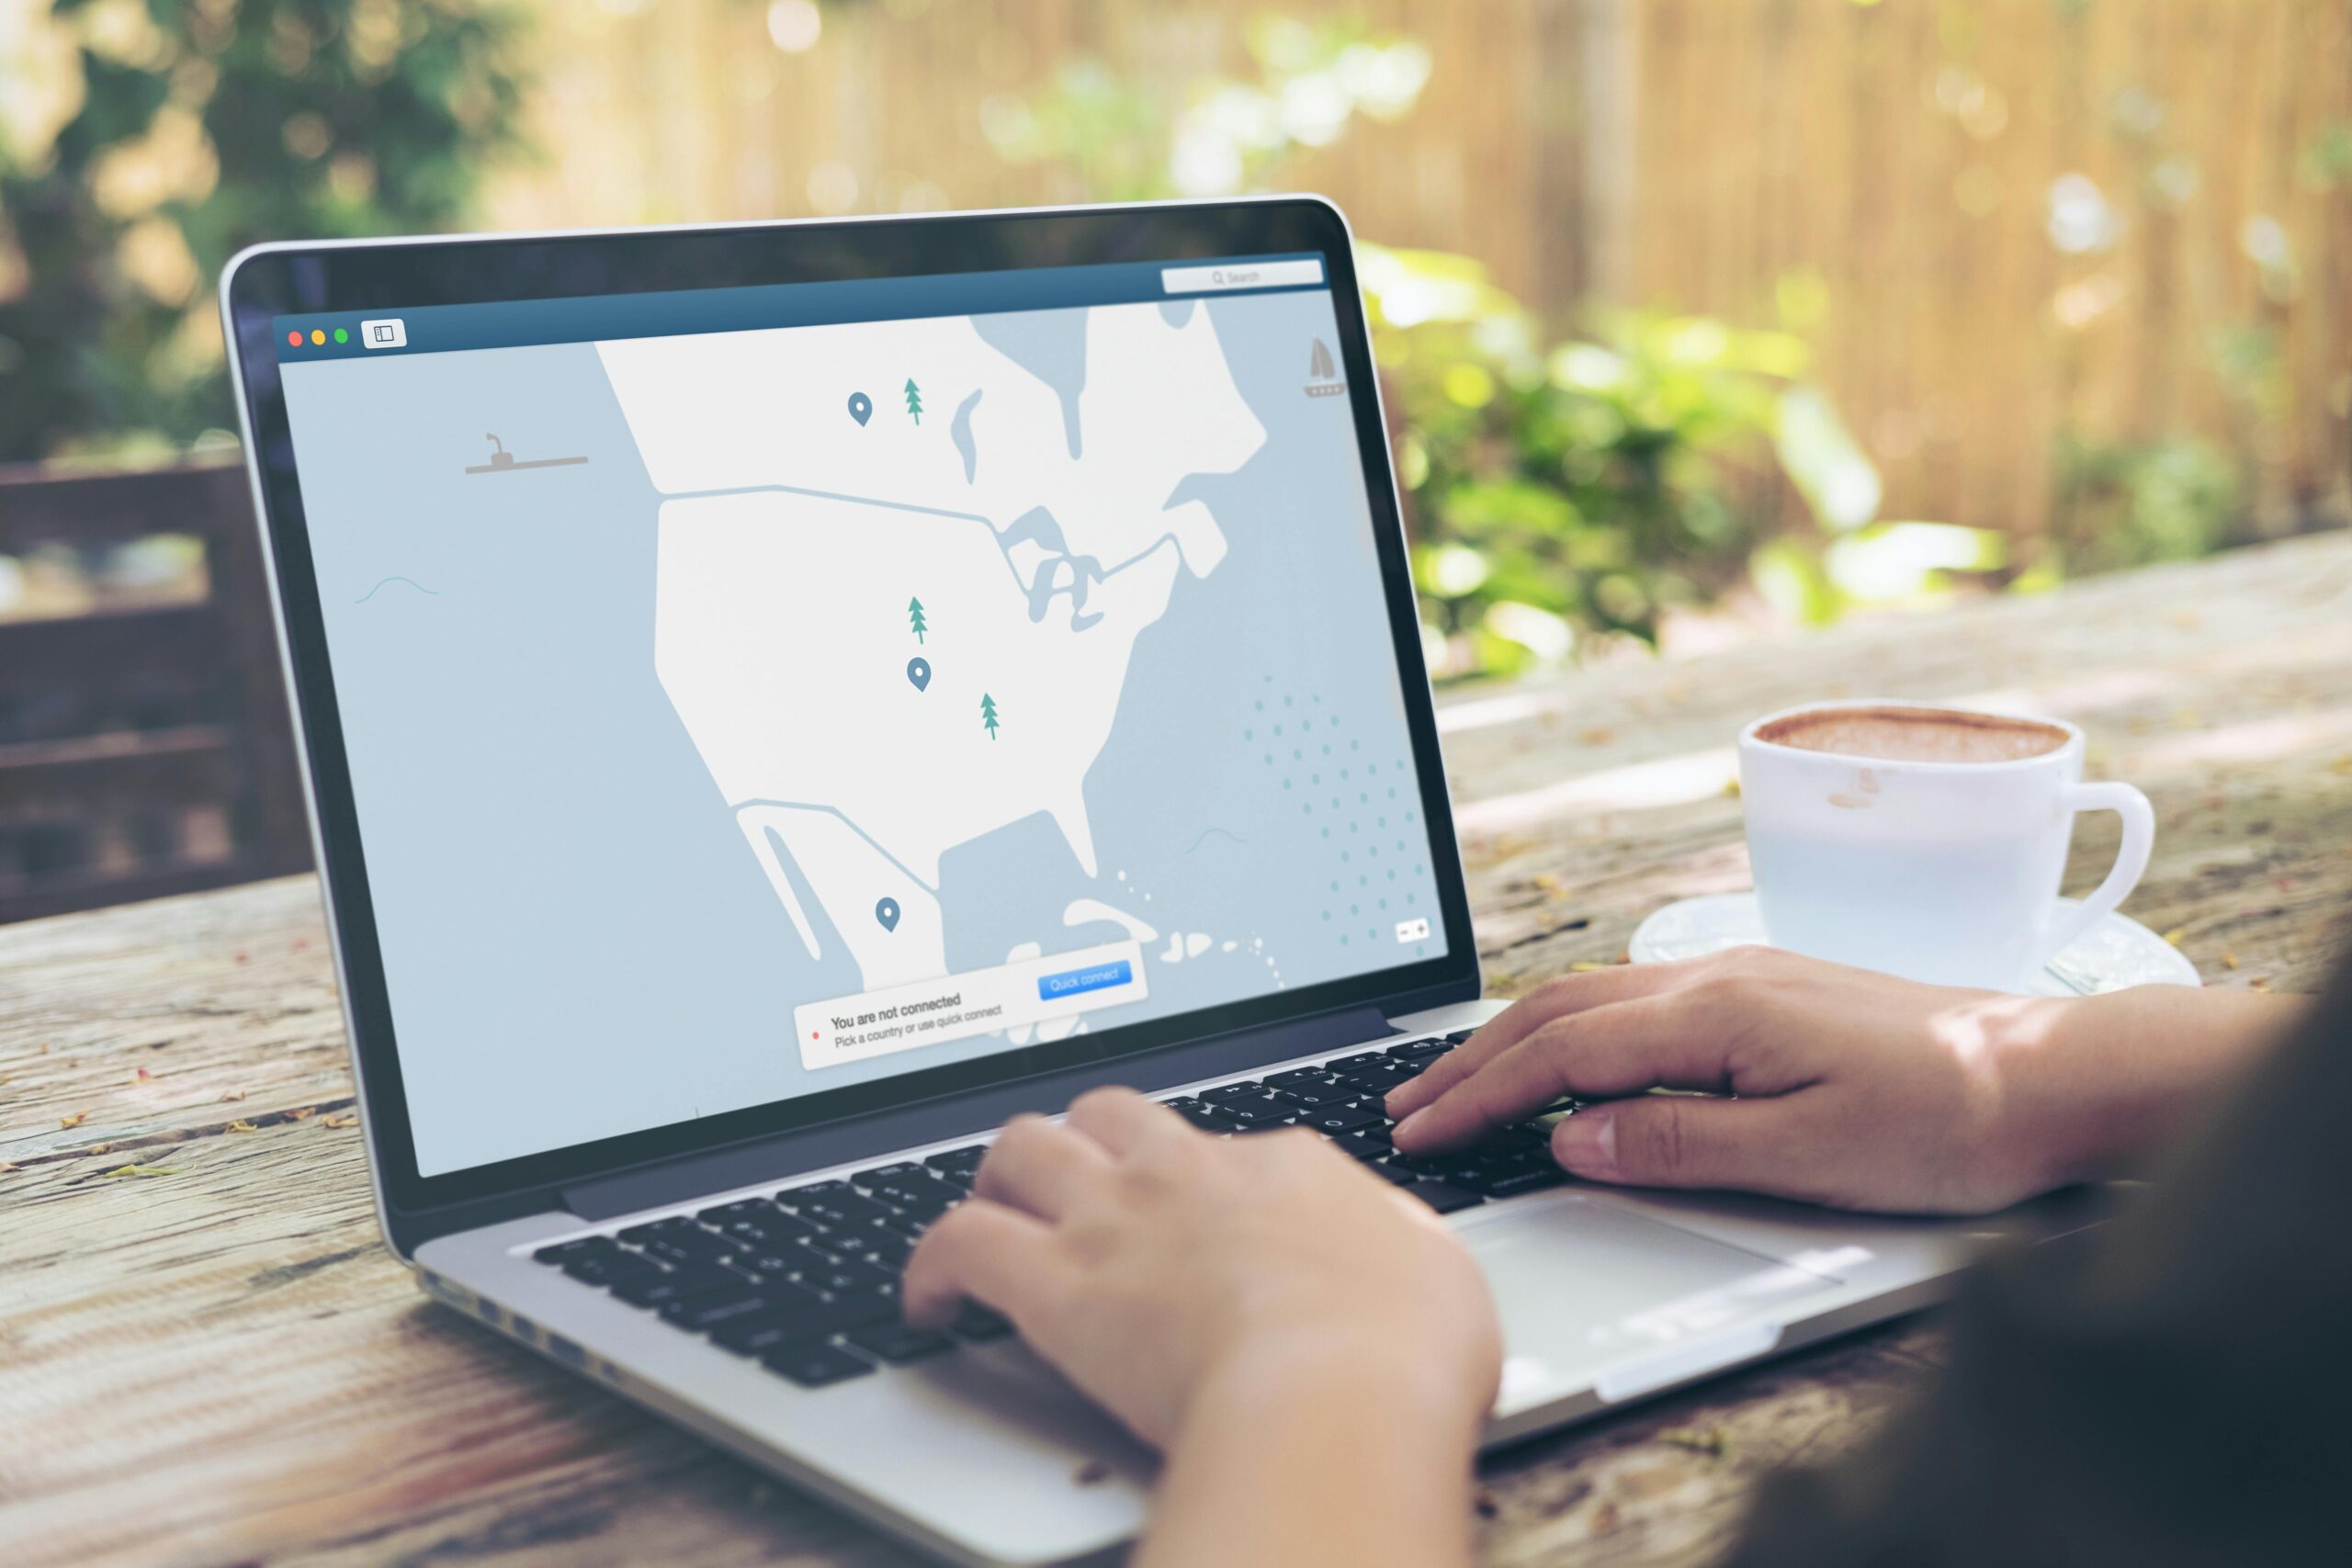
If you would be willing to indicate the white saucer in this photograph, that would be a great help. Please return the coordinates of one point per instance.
(2114, 954)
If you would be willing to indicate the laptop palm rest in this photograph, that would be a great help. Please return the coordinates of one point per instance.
(1594, 1296)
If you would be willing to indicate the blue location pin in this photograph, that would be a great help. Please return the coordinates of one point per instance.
(886, 911)
(919, 672)
(861, 407)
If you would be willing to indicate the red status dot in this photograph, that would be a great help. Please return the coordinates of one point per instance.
(294, 338)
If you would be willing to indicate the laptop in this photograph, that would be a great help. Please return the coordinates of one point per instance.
(778, 699)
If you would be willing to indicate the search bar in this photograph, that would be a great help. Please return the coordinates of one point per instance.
(1243, 274)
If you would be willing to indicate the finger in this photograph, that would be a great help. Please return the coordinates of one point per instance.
(1621, 1048)
(1037, 1167)
(998, 1256)
(1755, 1145)
(1554, 999)
(1126, 1123)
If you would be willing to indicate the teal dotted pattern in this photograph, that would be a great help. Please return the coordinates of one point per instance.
(1360, 805)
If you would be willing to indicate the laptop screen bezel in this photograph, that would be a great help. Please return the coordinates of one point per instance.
(359, 276)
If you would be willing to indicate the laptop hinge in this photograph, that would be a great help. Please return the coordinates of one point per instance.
(812, 1148)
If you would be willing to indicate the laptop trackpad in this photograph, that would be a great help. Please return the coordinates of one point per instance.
(1589, 1292)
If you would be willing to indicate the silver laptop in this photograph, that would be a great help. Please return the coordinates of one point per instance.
(778, 699)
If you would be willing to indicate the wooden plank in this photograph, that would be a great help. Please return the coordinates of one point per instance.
(222, 1363)
(42, 505)
(180, 766)
(85, 652)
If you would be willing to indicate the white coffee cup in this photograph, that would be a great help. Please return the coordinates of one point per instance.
(1945, 870)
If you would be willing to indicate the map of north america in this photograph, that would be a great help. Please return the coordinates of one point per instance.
(900, 578)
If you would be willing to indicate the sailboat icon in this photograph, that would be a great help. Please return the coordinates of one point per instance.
(1326, 373)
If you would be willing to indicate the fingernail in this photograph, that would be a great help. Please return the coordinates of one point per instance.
(1586, 1144)
(1405, 1128)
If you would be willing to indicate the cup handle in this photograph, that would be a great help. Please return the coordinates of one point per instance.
(2131, 860)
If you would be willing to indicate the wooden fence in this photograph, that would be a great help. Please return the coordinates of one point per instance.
(1898, 160)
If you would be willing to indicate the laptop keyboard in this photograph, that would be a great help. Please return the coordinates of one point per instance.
(804, 1281)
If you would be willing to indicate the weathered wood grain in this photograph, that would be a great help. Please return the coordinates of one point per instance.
(221, 1363)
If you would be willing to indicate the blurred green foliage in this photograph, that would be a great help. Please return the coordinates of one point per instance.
(1563, 489)
(202, 126)
(1563, 492)
(2132, 503)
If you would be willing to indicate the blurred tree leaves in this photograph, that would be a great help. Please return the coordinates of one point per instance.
(200, 127)
(1565, 493)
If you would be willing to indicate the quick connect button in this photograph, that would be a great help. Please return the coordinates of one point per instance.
(1098, 978)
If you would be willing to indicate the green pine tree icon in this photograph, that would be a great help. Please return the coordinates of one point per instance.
(914, 617)
(914, 399)
(988, 714)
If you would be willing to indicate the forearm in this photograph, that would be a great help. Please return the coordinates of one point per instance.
(1348, 1465)
(2095, 1087)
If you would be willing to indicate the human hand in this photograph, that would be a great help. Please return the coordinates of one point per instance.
(1157, 1266)
(1853, 1089)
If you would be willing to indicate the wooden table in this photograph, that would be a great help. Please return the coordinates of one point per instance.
(207, 1354)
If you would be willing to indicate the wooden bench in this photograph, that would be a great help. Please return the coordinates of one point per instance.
(143, 751)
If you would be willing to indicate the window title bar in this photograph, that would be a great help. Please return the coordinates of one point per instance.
(442, 329)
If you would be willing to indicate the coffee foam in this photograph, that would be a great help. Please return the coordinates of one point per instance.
(1914, 735)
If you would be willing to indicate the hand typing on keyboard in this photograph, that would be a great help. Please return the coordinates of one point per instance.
(1853, 1089)
(1209, 1290)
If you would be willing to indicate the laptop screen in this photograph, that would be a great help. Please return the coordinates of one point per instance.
(749, 691)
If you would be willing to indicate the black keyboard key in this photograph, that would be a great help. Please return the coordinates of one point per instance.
(1296, 1075)
(897, 1344)
(692, 1246)
(836, 1205)
(1375, 1081)
(1229, 1091)
(844, 1279)
(1390, 1174)
(902, 1170)
(772, 1229)
(958, 1178)
(595, 1268)
(762, 1332)
(802, 1315)
(964, 1160)
(564, 1252)
(658, 1288)
(762, 1263)
(855, 1309)
(887, 1249)
(1338, 1118)
(637, 1235)
(1417, 1051)
(1206, 1117)
(828, 1251)
(976, 1323)
(698, 1314)
(1260, 1118)
(1361, 1059)
(1442, 1166)
(1441, 1196)
(928, 1197)
(813, 1363)
(1357, 1147)
(1320, 1091)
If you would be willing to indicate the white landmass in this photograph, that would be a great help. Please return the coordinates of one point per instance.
(794, 537)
